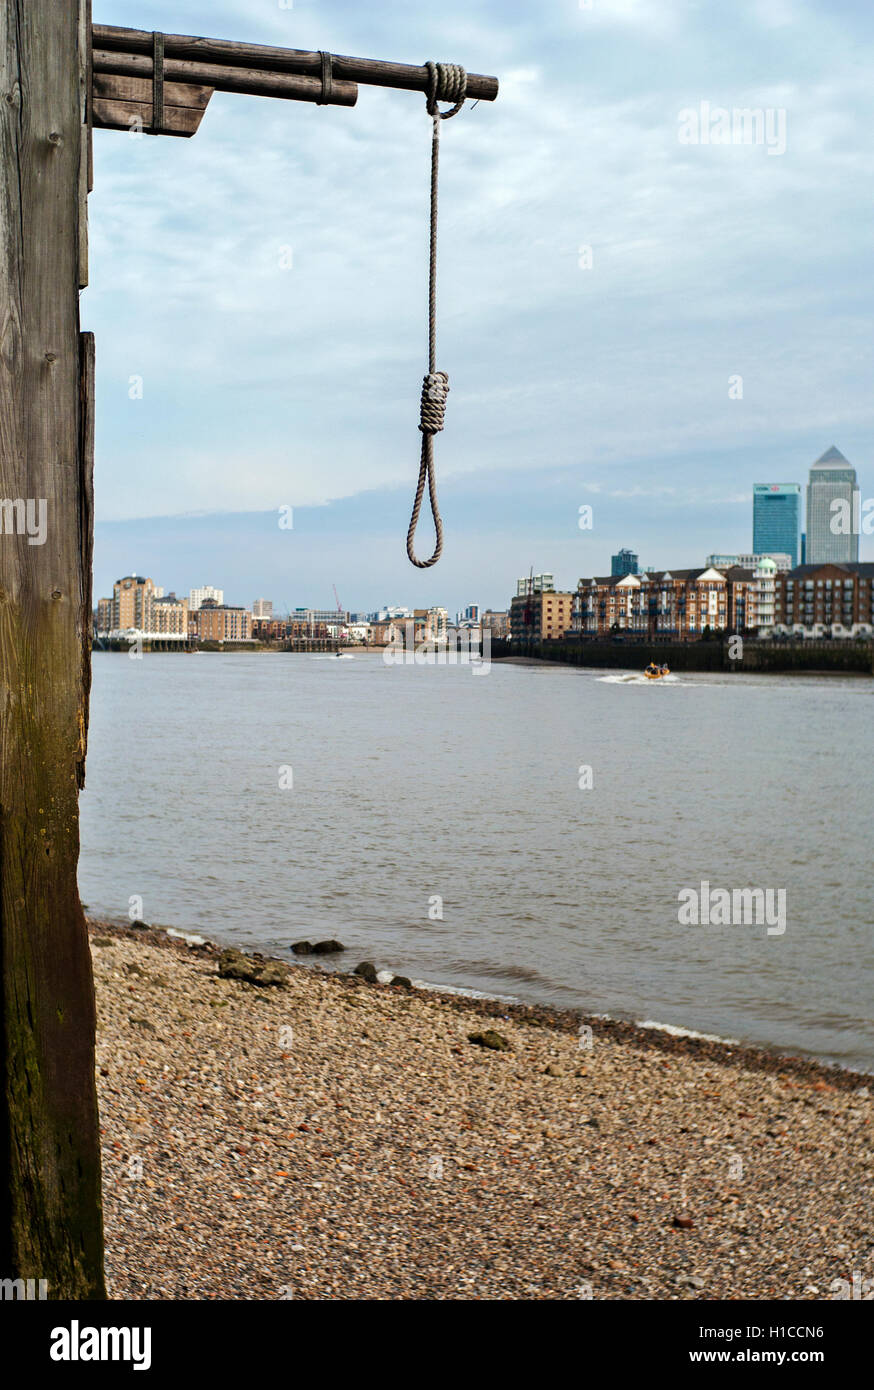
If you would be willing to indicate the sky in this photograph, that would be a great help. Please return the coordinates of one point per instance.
(632, 319)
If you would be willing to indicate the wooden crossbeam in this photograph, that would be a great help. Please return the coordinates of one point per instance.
(263, 58)
(249, 81)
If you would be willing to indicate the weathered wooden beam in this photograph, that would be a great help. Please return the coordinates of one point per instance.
(370, 71)
(50, 1226)
(291, 86)
(123, 103)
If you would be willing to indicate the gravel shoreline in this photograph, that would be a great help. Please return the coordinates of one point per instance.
(339, 1139)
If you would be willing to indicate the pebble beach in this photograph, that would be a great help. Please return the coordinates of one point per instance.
(328, 1137)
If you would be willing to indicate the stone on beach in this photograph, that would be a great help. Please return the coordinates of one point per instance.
(496, 1042)
(234, 965)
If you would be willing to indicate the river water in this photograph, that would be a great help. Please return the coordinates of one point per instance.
(525, 832)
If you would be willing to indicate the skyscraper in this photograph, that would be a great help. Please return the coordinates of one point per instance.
(626, 562)
(777, 519)
(832, 479)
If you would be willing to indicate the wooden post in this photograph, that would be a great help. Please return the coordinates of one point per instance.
(51, 1224)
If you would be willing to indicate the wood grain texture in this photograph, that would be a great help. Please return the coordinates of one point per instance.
(51, 1226)
(226, 78)
(117, 102)
(268, 59)
(117, 113)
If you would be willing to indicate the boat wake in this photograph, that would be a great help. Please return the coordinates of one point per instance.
(632, 678)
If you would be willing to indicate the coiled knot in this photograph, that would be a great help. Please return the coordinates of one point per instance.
(446, 82)
(435, 389)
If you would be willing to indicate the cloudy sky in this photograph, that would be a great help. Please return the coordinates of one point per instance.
(599, 377)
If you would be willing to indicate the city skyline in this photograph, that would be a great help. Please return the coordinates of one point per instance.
(572, 373)
(294, 571)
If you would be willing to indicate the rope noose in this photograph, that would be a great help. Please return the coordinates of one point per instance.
(446, 82)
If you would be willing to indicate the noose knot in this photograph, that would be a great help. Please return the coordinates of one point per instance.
(435, 389)
(446, 82)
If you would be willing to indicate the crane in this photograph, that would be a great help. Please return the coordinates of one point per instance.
(340, 614)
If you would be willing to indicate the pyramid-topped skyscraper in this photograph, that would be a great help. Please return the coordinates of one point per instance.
(831, 535)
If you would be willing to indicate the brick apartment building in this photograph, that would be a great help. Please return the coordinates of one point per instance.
(667, 603)
(285, 629)
(541, 615)
(827, 594)
(220, 622)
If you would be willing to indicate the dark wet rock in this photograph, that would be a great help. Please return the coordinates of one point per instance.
(234, 965)
(496, 1042)
(303, 948)
(683, 1222)
(402, 980)
(328, 948)
(367, 970)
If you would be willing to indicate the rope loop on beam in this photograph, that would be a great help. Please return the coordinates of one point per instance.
(446, 82)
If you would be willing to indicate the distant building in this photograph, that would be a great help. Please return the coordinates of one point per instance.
(387, 615)
(832, 479)
(540, 615)
(777, 519)
(167, 616)
(104, 615)
(468, 616)
(198, 596)
(130, 597)
(751, 596)
(538, 584)
(431, 624)
(678, 603)
(262, 608)
(626, 562)
(498, 624)
(827, 595)
(783, 561)
(332, 620)
(219, 622)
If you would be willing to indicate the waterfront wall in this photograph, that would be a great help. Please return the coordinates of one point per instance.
(849, 656)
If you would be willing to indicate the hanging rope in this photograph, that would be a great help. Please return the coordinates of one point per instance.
(446, 82)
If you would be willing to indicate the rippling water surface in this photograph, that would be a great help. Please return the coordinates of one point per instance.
(415, 783)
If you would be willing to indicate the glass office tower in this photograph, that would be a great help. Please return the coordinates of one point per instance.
(777, 519)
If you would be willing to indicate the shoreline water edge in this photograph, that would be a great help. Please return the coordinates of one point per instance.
(659, 1036)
